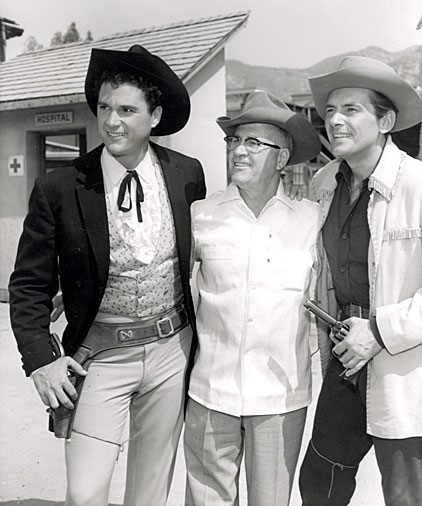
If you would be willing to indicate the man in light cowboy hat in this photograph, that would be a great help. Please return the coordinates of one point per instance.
(251, 381)
(115, 228)
(371, 201)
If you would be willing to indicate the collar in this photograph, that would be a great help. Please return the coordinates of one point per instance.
(114, 171)
(231, 193)
(345, 174)
(383, 180)
(385, 177)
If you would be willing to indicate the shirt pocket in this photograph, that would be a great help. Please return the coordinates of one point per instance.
(394, 234)
(217, 268)
(292, 269)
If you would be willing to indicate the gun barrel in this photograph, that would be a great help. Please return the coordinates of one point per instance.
(320, 313)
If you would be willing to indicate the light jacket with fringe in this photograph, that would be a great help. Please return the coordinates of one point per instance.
(394, 388)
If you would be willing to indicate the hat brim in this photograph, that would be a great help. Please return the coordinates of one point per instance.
(175, 100)
(401, 93)
(306, 143)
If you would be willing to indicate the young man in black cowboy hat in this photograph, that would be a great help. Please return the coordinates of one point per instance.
(251, 382)
(371, 201)
(115, 229)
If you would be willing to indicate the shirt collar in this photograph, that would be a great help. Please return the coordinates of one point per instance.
(383, 179)
(345, 174)
(232, 193)
(282, 197)
(114, 171)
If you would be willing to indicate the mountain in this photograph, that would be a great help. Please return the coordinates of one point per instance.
(284, 82)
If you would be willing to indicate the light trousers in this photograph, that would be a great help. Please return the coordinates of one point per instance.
(147, 383)
(215, 444)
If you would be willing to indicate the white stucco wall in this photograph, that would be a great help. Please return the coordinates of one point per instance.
(19, 136)
(201, 138)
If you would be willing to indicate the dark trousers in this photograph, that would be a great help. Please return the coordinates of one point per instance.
(339, 443)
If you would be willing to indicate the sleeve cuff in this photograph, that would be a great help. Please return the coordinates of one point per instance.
(375, 331)
(36, 355)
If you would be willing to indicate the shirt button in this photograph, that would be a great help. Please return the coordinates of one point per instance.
(250, 320)
(344, 236)
(343, 269)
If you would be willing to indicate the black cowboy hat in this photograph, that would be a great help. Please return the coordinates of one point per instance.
(175, 99)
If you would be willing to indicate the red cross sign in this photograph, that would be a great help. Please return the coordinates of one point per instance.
(16, 165)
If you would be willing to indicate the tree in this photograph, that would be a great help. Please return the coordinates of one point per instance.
(72, 34)
(57, 39)
(31, 45)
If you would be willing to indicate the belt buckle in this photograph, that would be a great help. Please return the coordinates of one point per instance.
(125, 334)
(165, 321)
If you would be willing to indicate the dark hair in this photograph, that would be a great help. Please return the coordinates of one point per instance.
(381, 104)
(152, 93)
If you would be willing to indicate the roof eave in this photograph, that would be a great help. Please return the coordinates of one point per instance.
(215, 50)
(31, 103)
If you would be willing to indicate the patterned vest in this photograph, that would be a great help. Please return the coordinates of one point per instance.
(137, 289)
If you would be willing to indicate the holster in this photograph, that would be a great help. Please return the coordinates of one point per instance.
(61, 419)
(100, 339)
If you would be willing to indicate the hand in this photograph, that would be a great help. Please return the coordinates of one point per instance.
(53, 385)
(358, 347)
(293, 191)
(58, 307)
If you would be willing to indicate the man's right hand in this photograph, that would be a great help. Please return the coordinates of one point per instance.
(53, 385)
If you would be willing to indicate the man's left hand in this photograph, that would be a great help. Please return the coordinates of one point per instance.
(293, 191)
(358, 347)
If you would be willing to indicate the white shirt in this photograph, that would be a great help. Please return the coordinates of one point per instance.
(142, 238)
(253, 277)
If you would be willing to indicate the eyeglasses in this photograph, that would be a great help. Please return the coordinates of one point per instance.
(252, 144)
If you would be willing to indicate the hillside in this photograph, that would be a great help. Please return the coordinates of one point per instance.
(284, 82)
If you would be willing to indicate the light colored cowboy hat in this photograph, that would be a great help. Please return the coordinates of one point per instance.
(361, 72)
(260, 108)
(140, 62)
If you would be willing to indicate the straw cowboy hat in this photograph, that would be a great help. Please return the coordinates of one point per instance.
(140, 62)
(361, 72)
(260, 108)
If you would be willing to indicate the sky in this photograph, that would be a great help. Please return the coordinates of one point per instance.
(279, 33)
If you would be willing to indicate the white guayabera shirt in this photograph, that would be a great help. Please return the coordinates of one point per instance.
(254, 275)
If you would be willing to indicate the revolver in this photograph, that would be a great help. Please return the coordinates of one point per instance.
(338, 331)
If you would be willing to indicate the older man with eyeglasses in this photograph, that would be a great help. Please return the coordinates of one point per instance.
(251, 381)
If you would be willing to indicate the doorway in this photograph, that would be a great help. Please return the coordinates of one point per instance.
(58, 150)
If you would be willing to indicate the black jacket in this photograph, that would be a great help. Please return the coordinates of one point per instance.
(66, 237)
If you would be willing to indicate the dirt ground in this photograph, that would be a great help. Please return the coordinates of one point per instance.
(32, 471)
